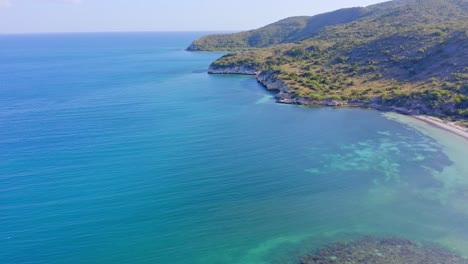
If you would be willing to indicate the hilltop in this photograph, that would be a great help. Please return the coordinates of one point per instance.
(408, 55)
(288, 30)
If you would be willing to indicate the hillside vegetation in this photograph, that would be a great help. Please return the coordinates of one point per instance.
(288, 30)
(408, 54)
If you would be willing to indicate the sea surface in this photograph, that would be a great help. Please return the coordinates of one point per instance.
(120, 148)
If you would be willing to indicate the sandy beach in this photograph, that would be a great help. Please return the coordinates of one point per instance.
(461, 131)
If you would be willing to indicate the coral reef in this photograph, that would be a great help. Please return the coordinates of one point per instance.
(374, 250)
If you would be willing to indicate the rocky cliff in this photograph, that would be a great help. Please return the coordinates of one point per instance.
(233, 69)
(285, 95)
(271, 83)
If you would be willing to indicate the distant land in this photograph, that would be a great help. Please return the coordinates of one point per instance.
(409, 56)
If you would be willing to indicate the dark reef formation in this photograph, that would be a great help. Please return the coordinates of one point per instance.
(373, 250)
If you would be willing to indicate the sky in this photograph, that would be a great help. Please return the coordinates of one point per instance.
(41, 16)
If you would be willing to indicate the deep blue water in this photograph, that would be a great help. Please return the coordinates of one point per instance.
(120, 148)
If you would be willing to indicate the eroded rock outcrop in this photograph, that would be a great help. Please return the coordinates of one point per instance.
(234, 69)
(271, 83)
(284, 95)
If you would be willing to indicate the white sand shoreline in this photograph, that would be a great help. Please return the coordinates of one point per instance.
(451, 127)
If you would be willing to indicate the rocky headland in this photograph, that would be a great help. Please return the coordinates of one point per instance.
(283, 96)
(408, 56)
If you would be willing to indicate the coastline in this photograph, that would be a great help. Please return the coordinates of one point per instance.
(270, 83)
(455, 129)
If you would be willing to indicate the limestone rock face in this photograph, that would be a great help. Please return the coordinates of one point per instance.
(268, 80)
(285, 96)
(235, 69)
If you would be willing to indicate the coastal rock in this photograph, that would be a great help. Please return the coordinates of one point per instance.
(269, 80)
(285, 96)
(234, 69)
(194, 47)
(329, 102)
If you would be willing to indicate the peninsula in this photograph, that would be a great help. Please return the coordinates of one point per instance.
(409, 56)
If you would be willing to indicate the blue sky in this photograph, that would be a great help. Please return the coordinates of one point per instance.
(25, 16)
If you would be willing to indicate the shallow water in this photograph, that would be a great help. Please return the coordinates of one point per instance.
(120, 148)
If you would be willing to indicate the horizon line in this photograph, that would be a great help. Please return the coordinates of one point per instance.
(110, 32)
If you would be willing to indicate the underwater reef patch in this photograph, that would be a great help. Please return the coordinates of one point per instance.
(389, 250)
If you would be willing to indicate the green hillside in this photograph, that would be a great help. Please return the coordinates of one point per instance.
(411, 54)
(288, 30)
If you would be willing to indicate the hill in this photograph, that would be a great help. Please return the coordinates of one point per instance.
(288, 30)
(410, 55)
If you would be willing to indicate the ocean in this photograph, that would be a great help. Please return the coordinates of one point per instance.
(120, 148)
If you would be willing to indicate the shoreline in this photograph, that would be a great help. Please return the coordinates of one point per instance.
(434, 121)
(447, 126)
(431, 120)
(283, 97)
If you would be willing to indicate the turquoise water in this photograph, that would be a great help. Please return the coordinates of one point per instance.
(119, 148)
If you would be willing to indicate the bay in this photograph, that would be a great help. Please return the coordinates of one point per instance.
(120, 148)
